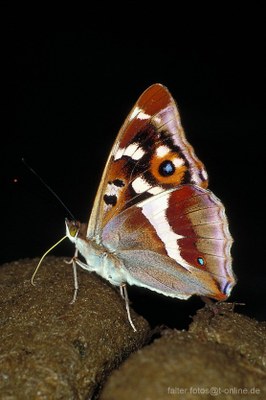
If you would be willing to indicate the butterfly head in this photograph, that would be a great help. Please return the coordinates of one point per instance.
(72, 229)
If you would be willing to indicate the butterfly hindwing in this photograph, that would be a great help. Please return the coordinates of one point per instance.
(176, 243)
(150, 155)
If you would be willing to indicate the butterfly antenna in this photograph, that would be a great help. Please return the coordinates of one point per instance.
(48, 187)
(44, 255)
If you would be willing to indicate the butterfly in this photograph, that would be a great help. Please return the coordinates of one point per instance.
(154, 223)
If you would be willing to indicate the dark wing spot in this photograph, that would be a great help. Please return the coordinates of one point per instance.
(110, 199)
(201, 261)
(226, 290)
(118, 183)
(166, 168)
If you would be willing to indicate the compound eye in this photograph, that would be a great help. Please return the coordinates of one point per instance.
(72, 227)
(73, 230)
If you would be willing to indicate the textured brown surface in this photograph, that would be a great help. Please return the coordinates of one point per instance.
(51, 349)
(222, 356)
(242, 334)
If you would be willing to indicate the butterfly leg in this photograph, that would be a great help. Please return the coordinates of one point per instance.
(76, 284)
(73, 261)
(124, 295)
(219, 306)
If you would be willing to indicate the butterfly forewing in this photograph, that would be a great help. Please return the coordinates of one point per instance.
(150, 155)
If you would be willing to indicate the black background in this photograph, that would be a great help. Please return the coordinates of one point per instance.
(67, 89)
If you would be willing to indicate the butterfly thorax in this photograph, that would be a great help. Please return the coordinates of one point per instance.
(98, 258)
